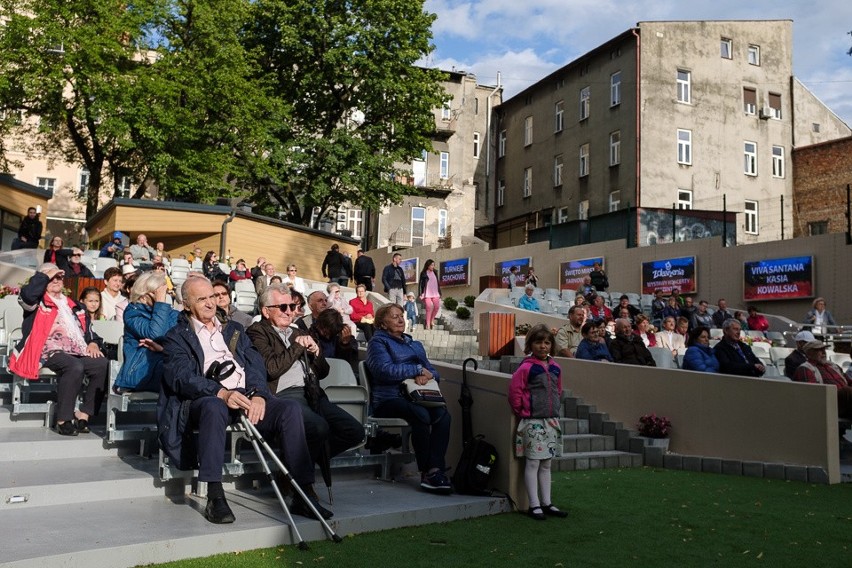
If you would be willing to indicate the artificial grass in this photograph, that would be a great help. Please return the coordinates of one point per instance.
(636, 517)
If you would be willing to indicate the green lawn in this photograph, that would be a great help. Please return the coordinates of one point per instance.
(636, 517)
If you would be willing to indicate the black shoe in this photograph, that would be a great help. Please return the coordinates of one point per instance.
(536, 513)
(552, 511)
(302, 509)
(218, 511)
(67, 428)
(83, 426)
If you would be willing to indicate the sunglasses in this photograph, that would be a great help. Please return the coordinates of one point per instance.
(76, 254)
(221, 295)
(57, 277)
(284, 307)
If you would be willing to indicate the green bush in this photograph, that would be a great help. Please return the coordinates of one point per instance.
(462, 313)
(451, 303)
(469, 301)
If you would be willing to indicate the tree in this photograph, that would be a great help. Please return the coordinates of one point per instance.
(70, 66)
(359, 104)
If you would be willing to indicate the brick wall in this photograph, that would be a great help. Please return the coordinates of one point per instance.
(820, 175)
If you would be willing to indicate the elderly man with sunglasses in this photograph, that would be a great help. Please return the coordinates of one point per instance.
(287, 350)
(210, 371)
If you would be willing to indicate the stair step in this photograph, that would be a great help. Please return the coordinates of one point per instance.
(574, 426)
(574, 443)
(23, 444)
(596, 460)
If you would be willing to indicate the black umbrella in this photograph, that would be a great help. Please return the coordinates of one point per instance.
(312, 392)
(466, 401)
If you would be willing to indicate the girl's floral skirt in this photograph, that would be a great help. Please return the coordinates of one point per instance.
(538, 438)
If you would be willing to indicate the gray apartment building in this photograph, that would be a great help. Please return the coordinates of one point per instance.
(679, 114)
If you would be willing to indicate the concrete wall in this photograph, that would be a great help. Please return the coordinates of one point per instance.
(720, 270)
(820, 174)
(817, 123)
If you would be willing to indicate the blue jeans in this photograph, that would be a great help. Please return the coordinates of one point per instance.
(430, 429)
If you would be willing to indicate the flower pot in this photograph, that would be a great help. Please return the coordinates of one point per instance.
(657, 442)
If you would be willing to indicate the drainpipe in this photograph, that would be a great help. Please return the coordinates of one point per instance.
(638, 124)
(223, 237)
(488, 144)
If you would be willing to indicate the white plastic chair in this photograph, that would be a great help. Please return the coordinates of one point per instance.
(662, 357)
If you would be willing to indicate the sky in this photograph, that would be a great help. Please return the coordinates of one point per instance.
(525, 40)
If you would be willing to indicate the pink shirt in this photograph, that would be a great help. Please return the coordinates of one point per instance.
(215, 349)
(431, 285)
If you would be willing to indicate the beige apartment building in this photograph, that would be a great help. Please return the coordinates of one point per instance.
(683, 114)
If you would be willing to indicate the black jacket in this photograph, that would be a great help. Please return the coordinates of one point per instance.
(30, 229)
(732, 363)
(388, 276)
(364, 267)
(631, 350)
(424, 280)
(333, 266)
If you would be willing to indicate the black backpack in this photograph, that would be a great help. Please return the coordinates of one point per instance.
(473, 473)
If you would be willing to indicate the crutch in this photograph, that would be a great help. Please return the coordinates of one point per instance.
(257, 441)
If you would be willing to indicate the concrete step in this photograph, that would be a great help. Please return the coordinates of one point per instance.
(144, 530)
(25, 444)
(41, 483)
(574, 426)
(573, 443)
(596, 460)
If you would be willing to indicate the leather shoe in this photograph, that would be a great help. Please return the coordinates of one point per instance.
(218, 511)
(302, 509)
(83, 426)
(67, 428)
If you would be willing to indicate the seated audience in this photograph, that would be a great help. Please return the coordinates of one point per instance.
(293, 281)
(75, 266)
(90, 298)
(257, 270)
(113, 248)
(225, 310)
(113, 301)
(393, 357)
(735, 356)
(658, 304)
(668, 337)
(287, 351)
(192, 400)
(818, 369)
(756, 320)
(334, 337)
(147, 319)
(628, 347)
(211, 269)
(741, 317)
(598, 278)
(688, 308)
(819, 317)
(528, 300)
(624, 302)
(699, 355)
(568, 338)
(362, 311)
(643, 330)
(57, 255)
(797, 357)
(336, 302)
(598, 310)
(682, 327)
(722, 313)
(265, 279)
(29, 231)
(317, 302)
(57, 335)
(672, 309)
(143, 253)
(586, 289)
(621, 313)
(701, 317)
(239, 272)
(592, 347)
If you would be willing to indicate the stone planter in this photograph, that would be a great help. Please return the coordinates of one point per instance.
(657, 443)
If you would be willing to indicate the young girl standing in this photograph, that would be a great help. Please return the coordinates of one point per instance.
(535, 395)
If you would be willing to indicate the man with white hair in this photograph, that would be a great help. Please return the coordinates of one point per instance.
(628, 348)
(797, 357)
(818, 369)
(76, 266)
(142, 252)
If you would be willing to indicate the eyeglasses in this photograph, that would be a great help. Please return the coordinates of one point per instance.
(77, 254)
(221, 294)
(294, 270)
(284, 307)
(58, 277)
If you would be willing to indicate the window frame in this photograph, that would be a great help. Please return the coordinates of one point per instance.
(443, 223)
(501, 144)
(776, 110)
(615, 89)
(444, 167)
(585, 103)
(750, 158)
(684, 147)
(752, 217)
(46, 183)
(527, 182)
(83, 179)
(477, 141)
(684, 87)
(584, 160)
(730, 48)
(750, 108)
(446, 111)
(422, 237)
(559, 116)
(614, 200)
(753, 50)
(558, 169)
(528, 131)
(778, 162)
(684, 199)
(615, 148)
(501, 192)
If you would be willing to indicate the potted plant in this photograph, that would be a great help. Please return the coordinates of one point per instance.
(655, 429)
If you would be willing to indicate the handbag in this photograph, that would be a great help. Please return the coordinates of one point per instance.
(428, 395)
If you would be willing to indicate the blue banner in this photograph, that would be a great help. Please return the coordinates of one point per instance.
(454, 272)
(668, 274)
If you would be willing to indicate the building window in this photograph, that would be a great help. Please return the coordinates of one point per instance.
(476, 106)
(583, 210)
(727, 47)
(615, 89)
(684, 147)
(527, 182)
(750, 156)
(501, 144)
(754, 55)
(559, 116)
(418, 225)
(47, 184)
(125, 186)
(446, 112)
(818, 228)
(778, 161)
(562, 215)
(442, 223)
(501, 192)
(749, 100)
(614, 200)
(355, 222)
(476, 139)
(83, 184)
(751, 221)
(615, 148)
(584, 160)
(684, 199)
(557, 171)
(528, 131)
(585, 102)
(445, 165)
(775, 105)
(815, 126)
(684, 86)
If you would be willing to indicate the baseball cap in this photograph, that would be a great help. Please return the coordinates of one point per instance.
(813, 346)
(805, 336)
(116, 235)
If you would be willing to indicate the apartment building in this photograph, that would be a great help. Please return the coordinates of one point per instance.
(684, 114)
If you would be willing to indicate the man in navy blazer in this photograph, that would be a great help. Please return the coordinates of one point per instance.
(735, 356)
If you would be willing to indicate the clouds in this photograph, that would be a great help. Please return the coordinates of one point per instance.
(529, 39)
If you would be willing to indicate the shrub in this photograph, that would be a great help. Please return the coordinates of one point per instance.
(523, 329)
(653, 426)
(462, 313)
(451, 303)
(469, 301)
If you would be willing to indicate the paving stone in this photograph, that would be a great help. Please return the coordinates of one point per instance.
(817, 475)
(581, 463)
(622, 439)
(598, 444)
(732, 467)
(625, 460)
(673, 461)
(773, 470)
(752, 469)
(569, 445)
(654, 457)
(585, 410)
(637, 445)
(610, 427)
(570, 426)
(596, 420)
(569, 406)
(796, 473)
(611, 461)
(711, 465)
(584, 445)
(691, 463)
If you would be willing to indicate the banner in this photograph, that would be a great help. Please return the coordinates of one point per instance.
(501, 269)
(409, 266)
(454, 272)
(669, 273)
(779, 278)
(571, 273)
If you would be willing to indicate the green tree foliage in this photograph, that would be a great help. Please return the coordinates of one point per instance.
(359, 105)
